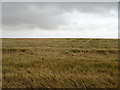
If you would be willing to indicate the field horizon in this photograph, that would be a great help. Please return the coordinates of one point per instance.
(60, 63)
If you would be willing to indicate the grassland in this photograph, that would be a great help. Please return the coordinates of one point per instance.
(60, 63)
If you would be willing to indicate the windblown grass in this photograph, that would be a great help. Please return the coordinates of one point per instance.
(60, 63)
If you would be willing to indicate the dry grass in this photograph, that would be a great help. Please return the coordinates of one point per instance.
(60, 63)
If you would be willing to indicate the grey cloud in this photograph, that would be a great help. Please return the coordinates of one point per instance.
(46, 15)
(25, 14)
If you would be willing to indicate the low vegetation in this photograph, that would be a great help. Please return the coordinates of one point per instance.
(60, 63)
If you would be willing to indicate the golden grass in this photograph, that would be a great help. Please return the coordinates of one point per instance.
(60, 63)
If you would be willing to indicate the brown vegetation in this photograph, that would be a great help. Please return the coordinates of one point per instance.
(60, 63)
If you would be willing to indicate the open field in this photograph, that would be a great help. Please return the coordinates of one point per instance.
(60, 63)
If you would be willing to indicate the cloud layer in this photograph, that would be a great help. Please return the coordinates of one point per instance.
(60, 20)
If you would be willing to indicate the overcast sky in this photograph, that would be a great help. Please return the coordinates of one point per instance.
(60, 20)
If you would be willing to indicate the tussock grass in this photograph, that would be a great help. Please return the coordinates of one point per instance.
(60, 63)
